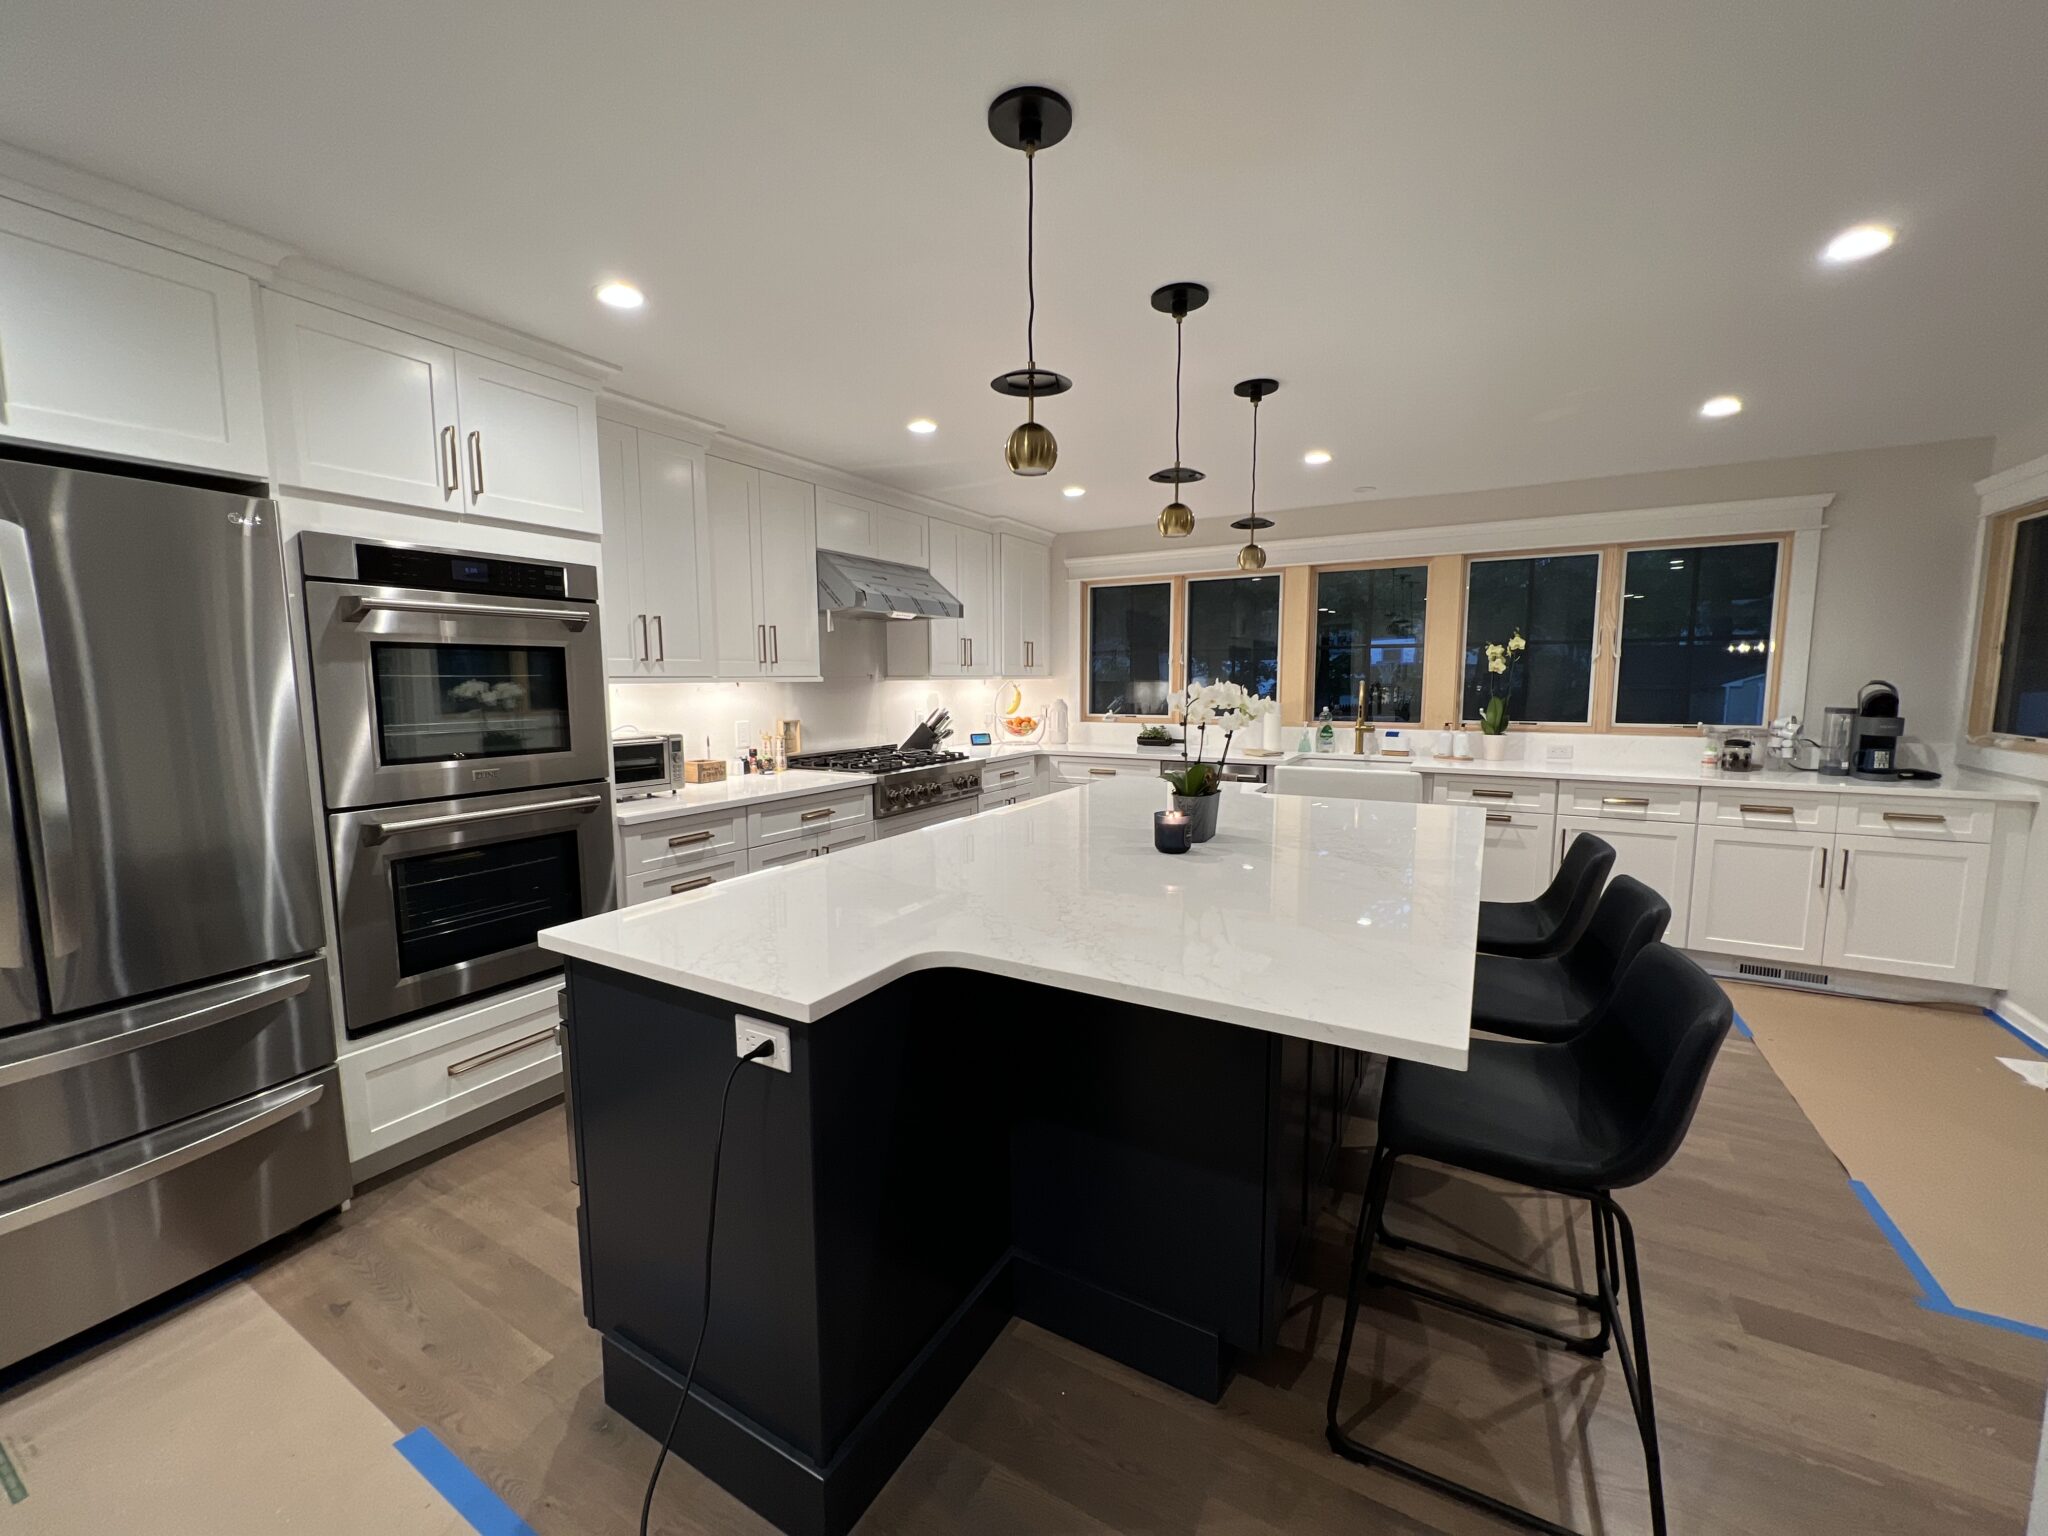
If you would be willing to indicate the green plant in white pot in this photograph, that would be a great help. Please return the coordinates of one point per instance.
(1501, 660)
(1198, 785)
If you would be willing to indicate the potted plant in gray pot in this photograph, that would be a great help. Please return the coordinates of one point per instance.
(1493, 720)
(1198, 785)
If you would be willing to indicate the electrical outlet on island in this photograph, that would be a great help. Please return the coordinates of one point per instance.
(1557, 752)
(748, 1033)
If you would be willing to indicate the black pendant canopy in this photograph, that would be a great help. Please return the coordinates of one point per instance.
(1251, 557)
(1177, 518)
(1030, 118)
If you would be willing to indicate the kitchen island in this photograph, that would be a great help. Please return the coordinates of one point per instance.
(1035, 1069)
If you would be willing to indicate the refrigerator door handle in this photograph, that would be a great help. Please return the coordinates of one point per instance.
(78, 1052)
(45, 792)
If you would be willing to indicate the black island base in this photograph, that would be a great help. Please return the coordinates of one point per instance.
(946, 1153)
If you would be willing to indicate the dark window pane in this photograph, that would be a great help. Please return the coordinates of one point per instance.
(1552, 600)
(1234, 633)
(1369, 641)
(1696, 635)
(2022, 705)
(1129, 639)
(465, 903)
(439, 702)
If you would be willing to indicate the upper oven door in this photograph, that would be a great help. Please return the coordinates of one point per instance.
(423, 694)
(439, 901)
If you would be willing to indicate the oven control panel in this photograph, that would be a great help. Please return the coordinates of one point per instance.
(438, 571)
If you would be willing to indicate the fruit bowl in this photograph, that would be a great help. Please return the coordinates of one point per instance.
(1021, 725)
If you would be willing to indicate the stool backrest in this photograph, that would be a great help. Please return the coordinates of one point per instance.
(1646, 1060)
(1574, 891)
(1629, 916)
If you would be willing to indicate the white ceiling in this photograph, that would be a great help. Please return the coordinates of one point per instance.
(1481, 245)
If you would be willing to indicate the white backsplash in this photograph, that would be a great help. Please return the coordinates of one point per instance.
(858, 704)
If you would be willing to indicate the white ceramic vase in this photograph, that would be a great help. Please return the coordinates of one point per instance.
(1493, 748)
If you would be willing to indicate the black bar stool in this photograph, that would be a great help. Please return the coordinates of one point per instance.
(1551, 923)
(1556, 998)
(1602, 1112)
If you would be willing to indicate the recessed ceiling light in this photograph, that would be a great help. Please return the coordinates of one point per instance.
(924, 426)
(620, 296)
(1316, 456)
(1721, 405)
(1859, 243)
(1074, 492)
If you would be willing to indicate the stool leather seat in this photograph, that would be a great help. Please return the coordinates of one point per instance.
(1552, 999)
(1551, 923)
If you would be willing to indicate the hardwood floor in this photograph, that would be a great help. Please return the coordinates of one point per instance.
(1800, 1387)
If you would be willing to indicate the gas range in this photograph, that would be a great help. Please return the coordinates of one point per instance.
(905, 781)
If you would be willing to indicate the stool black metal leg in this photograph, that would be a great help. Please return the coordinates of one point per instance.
(1637, 1371)
(1376, 1182)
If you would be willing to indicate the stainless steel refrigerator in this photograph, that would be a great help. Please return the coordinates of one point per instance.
(168, 1098)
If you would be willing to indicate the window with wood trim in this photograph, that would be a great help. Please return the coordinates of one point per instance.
(2009, 692)
(1233, 632)
(1553, 602)
(1697, 631)
(1130, 651)
(1369, 629)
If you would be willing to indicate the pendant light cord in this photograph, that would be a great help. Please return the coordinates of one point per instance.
(1253, 533)
(1177, 318)
(1031, 261)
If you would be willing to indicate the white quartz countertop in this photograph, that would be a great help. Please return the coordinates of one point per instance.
(737, 789)
(1349, 922)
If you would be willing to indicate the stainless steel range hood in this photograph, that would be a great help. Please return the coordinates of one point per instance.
(860, 587)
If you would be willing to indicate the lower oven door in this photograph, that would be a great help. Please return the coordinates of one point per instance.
(442, 900)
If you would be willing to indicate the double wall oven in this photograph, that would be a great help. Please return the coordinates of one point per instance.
(459, 700)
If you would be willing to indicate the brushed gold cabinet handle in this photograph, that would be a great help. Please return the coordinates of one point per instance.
(1765, 810)
(818, 815)
(1624, 800)
(761, 644)
(1499, 819)
(684, 839)
(1493, 794)
(1103, 773)
(1919, 818)
(660, 640)
(1011, 774)
(476, 466)
(690, 885)
(512, 1048)
(449, 465)
(643, 635)
(774, 646)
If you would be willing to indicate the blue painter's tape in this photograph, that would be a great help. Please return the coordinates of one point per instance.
(2017, 1033)
(1742, 1027)
(467, 1494)
(1932, 1296)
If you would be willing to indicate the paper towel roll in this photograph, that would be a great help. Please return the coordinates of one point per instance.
(1269, 730)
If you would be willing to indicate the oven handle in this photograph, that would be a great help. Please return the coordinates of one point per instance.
(377, 831)
(575, 618)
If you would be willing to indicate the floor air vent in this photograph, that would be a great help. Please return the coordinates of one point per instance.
(1782, 973)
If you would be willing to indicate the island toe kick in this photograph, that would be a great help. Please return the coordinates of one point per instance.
(944, 1154)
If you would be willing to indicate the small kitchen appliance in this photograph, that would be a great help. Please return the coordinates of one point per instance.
(644, 765)
(1878, 727)
(1837, 740)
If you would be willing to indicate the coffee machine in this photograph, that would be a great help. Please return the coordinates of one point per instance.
(1875, 735)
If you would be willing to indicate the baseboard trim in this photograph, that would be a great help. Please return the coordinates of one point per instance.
(441, 1138)
(2024, 1022)
(1164, 1347)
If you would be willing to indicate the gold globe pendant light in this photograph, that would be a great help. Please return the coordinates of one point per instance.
(1030, 118)
(1177, 518)
(1251, 557)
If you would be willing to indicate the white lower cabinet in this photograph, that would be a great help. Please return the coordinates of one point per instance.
(405, 1083)
(691, 876)
(117, 346)
(1760, 893)
(1519, 858)
(1658, 853)
(812, 845)
(1906, 907)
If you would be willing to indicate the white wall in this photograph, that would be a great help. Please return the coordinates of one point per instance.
(858, 704)
(2021, 444)
(1896, 588)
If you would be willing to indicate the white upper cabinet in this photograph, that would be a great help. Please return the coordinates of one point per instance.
(530, 445)
(1026, 607)
(657, 607)
(117, 346)
(364, 409)
(856, 526)
(764, 568)
(963, 562)
(360, 409)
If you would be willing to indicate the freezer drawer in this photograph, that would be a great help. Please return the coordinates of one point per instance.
(67, 1089)
(90, 1238)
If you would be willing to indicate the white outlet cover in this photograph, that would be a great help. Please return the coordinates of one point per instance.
(1557, 752)
(748, 1033)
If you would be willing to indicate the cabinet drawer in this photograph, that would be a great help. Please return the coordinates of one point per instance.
(1520, 855)
(1080, 770)
(404, 1083)
(660, 843)
(1496, 793)
(839, 839)
(1628, 802)
(1946, 821)
(677, 879)
(779, 823)
(1009, 778)
(1762, 809)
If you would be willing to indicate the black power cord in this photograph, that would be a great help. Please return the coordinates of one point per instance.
(765, 1048)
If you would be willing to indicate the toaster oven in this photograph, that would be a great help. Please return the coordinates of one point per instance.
(646, 765)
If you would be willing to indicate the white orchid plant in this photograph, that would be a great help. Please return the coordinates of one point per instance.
(1499, 659)
(1225, 707)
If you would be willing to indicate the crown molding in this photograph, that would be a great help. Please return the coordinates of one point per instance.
(631, 411)
(58, 188)
(1781, 514)
(2013, 487)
